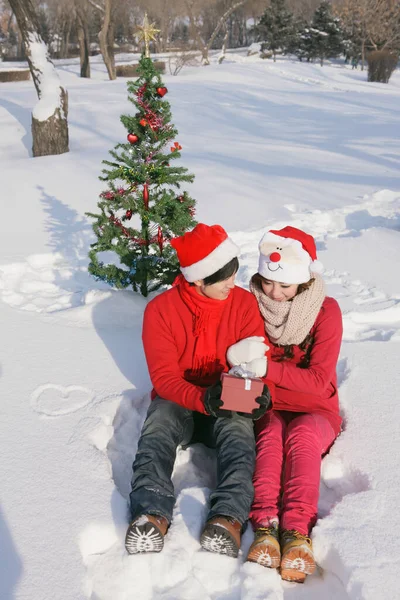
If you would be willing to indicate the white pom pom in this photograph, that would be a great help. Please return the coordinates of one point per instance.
(317, 267)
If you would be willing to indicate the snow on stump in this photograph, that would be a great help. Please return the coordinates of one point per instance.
(17, 75)
(49, 116)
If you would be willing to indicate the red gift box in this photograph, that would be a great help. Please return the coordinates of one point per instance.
(240, 393)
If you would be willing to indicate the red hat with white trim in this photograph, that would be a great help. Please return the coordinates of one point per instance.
(203, 251)
(288, 255)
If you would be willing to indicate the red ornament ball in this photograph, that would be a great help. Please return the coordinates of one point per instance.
(132, 138)
(143, 122)
(128, 214)
(161, 91)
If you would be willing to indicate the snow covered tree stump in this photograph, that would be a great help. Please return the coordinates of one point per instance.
(49, 116)
(50, 136)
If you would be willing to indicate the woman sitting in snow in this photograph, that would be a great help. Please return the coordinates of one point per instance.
(304, 327)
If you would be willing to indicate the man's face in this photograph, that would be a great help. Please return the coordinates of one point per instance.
(216, 291)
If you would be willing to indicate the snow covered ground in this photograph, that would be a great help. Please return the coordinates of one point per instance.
(270, 144)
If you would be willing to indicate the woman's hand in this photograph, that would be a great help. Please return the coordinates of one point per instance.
(258, 366)
(246, 350)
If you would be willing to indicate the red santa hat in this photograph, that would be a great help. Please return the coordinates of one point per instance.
(203, 251)
(288, 255)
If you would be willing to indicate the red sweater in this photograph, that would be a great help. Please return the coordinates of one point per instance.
(169, 342)
(312, 389)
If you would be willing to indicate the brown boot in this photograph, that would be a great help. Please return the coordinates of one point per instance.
(297, 556)
(222, 534)
(146, 534)
(265, 549)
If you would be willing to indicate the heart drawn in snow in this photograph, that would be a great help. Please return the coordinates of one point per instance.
(56, 400)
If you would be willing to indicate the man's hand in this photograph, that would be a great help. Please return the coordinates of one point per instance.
(246, 350)
(264, 401)
(212, 401)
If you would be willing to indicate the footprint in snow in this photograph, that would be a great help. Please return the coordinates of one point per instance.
(44, 283)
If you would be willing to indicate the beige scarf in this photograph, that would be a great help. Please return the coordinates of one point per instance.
(290, 322)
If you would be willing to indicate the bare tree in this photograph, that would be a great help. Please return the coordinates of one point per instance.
(49, 116)
(224, 42)
(6, 30)
(106, 34)
(203, 45)
(164, 13)
(376, 23)
(82, 20)
(57, 21)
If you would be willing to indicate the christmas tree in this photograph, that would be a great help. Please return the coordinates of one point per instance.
(143, 206)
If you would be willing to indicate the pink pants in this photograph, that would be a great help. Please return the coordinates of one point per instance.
(288, 465)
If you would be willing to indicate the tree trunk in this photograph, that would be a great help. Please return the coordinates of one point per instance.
(51, 135)
(164, 27)
(106, 41)
(203, 47)
(204, 56)
(223, 50)
(362, 55)
(20, 48)
(68, 34)
(83, 38)
(49, 116)
(200, 43)
(66, 31)
(220, 23)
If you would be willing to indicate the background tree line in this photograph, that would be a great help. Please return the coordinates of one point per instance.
(310, 29)
(351, 28)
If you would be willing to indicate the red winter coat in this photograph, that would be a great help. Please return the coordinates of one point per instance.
(312, 389)
(168, 342)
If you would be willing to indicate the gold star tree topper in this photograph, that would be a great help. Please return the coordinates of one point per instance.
(147, 33)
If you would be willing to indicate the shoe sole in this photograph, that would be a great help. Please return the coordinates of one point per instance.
(265, 554)
(218, 539)
(293, 576)
(296, 564)
(144, 538)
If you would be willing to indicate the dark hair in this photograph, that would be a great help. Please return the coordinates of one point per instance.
(224, 273)
(257, 280)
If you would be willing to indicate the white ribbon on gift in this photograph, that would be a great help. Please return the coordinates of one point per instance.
(241, 371)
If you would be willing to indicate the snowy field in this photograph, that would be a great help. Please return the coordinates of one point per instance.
(270, 144)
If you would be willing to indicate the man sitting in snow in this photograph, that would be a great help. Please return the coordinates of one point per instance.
(187, 331)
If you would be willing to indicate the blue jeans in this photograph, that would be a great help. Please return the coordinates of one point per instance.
(166, 426)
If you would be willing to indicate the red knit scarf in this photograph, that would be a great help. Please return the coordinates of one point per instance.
(207, 314)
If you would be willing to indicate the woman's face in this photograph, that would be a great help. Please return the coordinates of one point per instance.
(280, 292)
